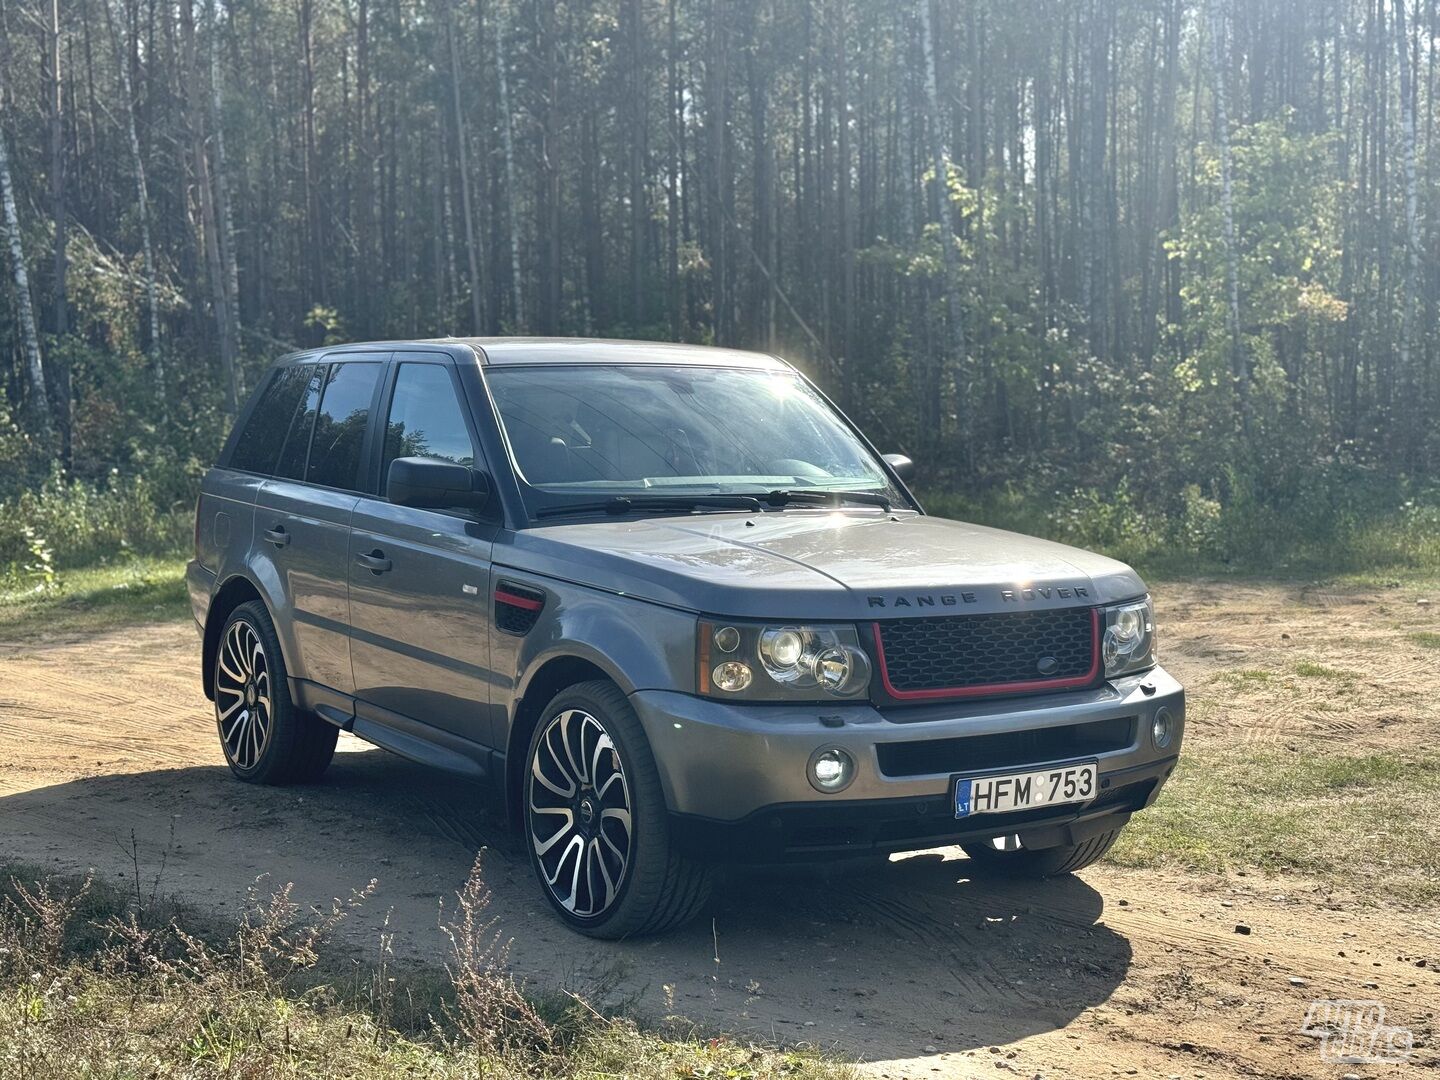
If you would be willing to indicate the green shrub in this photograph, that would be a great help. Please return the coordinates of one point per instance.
(1327, 522)
(79, 523)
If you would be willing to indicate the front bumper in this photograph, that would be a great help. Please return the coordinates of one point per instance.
(735, 777)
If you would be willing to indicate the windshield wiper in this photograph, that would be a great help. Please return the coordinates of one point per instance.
(822, 496)
(628, 504)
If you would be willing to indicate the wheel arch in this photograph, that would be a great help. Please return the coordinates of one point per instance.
(236, 591)
(557, 673)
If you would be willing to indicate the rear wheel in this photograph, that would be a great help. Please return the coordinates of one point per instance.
(266, 738)
(1005, 856)
(595, 820)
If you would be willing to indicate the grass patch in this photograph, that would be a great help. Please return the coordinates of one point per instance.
(1308, 669)
(1426, 639)
(1245, 678)
(122, 593)
(96, 983)
(1349, 819)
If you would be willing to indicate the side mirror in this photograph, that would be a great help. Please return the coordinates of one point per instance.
(903, 466)
(432, 484)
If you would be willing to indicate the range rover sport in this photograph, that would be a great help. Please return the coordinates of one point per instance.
(673, 609)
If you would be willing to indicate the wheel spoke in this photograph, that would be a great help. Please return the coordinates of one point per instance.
(542, 847)
(235, 725)
(577, 770)
(602, 744)
(538, 771)
(596, 858)
(225, 656)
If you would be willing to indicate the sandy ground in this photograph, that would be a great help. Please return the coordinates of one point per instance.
(108, 749)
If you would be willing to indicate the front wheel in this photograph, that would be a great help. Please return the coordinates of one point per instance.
(1005, 856)
(595, 820)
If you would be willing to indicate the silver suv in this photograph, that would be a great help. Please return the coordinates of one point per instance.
(673, 609)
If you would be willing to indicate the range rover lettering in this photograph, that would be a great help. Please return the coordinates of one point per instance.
(672, 609)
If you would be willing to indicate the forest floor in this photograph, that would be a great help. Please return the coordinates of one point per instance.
(1293, 858)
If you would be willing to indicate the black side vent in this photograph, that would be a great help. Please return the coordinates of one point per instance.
(517, 607)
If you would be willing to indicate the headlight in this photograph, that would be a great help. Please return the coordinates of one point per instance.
(1129, 642)
(780, 662)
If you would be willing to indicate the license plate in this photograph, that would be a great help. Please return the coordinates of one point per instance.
(1004, 792)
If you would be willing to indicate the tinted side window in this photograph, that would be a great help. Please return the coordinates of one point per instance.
(258, 444)
(297, 440)
(339, 440)
(425, 418)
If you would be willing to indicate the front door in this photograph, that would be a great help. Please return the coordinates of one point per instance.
(420, 579)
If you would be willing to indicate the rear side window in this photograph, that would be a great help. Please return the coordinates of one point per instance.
(258, 444)
(339, 440)
(425, 418)
(297, 440)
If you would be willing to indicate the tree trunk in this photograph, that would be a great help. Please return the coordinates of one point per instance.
(1227, 203)
(142, 202)
(507, 132)
(60, 320)
(55, 99)
(939, 212)
(222, 191)
(675, 106)
(1410, 436)
(30, 338)
(477, 318)
(220, 301)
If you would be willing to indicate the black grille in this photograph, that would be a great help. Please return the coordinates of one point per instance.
(976, 753)
(975, 654)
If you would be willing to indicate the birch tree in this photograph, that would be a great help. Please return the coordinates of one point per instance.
(30, 337)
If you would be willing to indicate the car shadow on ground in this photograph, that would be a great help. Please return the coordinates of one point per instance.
(873, 959)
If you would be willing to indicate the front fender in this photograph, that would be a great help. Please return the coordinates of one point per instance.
(637, 644)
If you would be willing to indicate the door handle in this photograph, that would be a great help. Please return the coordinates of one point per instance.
(277, 536)
(375, 561)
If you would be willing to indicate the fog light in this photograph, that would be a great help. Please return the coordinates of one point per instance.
(731, 676)
(1162, 728)
(831, 770)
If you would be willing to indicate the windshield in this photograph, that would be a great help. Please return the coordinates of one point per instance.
(604, 431)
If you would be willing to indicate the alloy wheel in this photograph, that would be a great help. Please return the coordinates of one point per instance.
(244, 701)
(579, 813)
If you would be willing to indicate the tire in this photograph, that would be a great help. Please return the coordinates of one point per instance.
(1042, 862)
(265, 737)
(619, 883)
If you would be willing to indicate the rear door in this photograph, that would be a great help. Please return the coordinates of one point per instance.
(420, 579)
(302, 517)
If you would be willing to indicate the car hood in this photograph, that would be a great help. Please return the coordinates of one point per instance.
(820, 564)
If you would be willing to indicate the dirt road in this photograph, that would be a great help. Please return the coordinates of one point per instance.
(910, 966)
